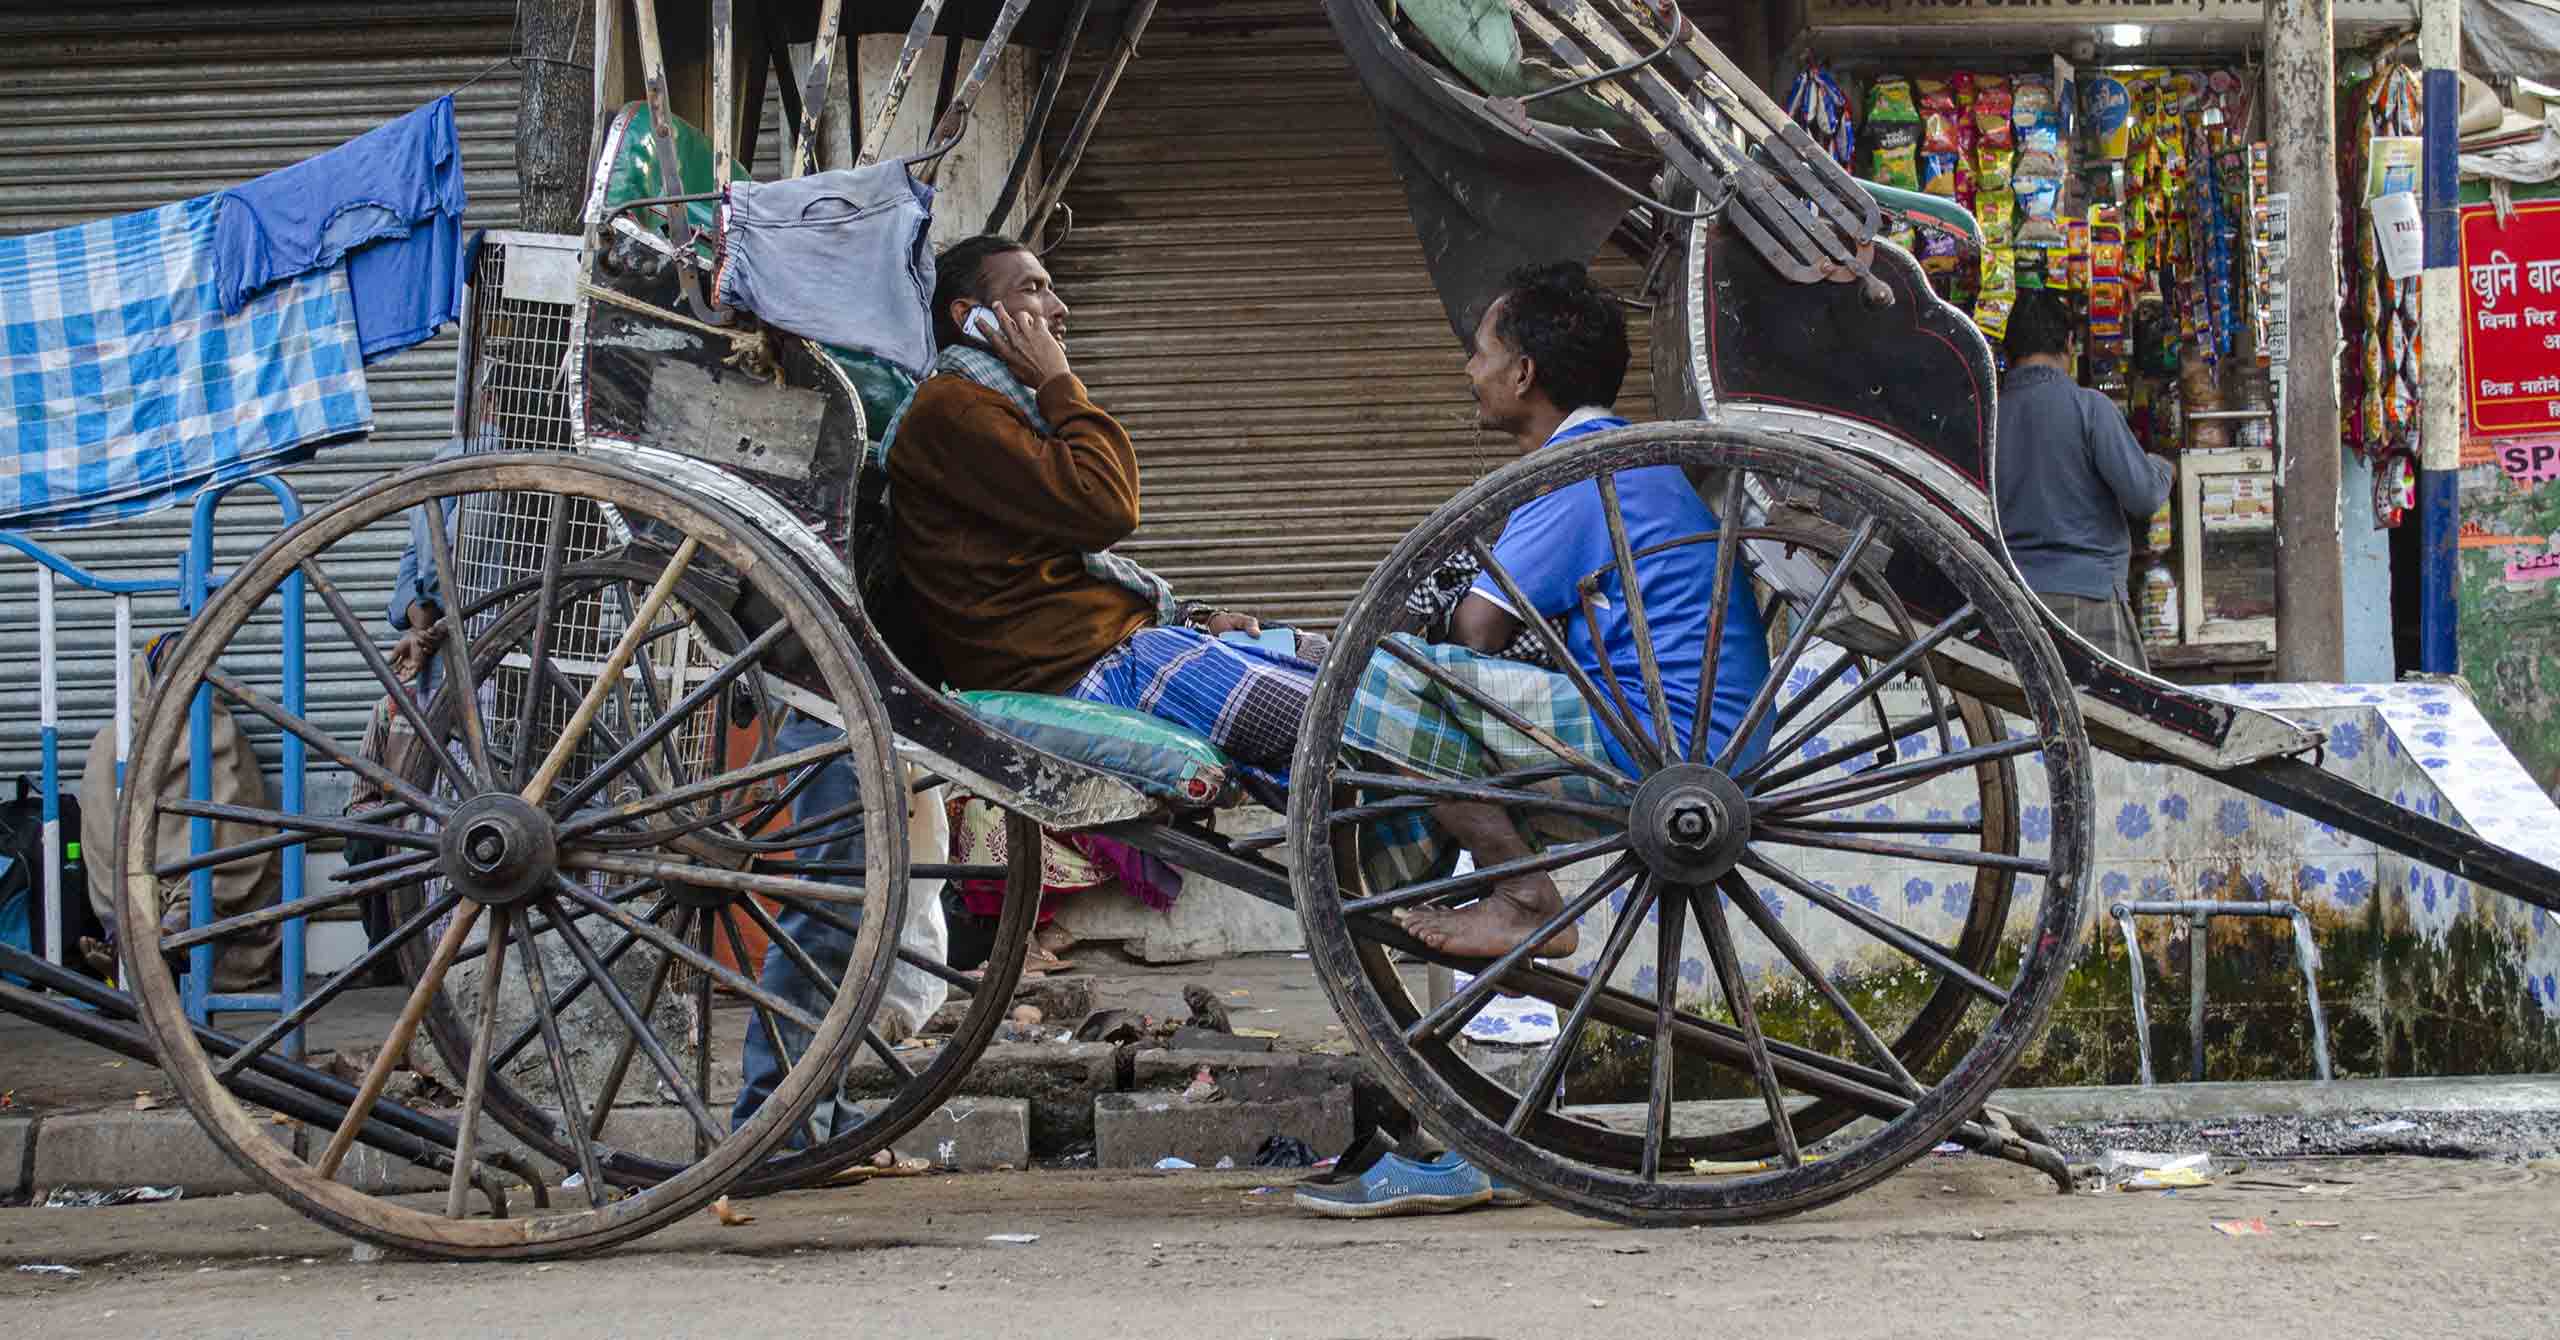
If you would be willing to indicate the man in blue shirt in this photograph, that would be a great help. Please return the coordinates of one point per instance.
(1549, 358)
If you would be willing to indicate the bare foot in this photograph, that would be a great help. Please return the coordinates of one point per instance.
(1492, 926)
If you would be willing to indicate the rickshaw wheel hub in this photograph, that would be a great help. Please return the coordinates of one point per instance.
(497, 849)
(1689, 823)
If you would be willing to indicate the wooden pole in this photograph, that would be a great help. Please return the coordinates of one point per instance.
(2302, 132)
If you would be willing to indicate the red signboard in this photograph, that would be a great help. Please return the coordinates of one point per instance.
(2511, 318)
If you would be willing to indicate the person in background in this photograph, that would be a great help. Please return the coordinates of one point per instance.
(415, 618)
(2071, 482)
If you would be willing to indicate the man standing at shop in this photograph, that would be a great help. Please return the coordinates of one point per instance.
(2071, 479)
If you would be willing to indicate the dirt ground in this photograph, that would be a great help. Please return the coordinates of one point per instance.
(1953, 1246)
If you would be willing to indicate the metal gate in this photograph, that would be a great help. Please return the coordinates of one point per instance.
(106, 108)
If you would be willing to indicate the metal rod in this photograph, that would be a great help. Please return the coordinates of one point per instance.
(813, 93)
(2141, 1007)
(2199, 931)
(875, 136)
(47, 710)
(611, 671)
(2306, 954)
(952, 108)
(1052, 76)
(1072, 151)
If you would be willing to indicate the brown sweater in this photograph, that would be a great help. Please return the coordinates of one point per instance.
(993, 522)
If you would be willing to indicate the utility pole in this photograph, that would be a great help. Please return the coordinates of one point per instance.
(2440, 353)
(2302, 133)
(555, 112)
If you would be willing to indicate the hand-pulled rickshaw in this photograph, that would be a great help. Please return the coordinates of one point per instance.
(716, 545)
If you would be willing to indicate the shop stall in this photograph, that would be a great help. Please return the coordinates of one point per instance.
(2124, 166)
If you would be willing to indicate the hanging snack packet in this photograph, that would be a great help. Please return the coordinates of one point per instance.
(2039, 261)
(2030, 100)
(2039, 195)
(1991, 313)
(1999, 272)
(1938, 173)
(1895, 146)
(1816, 103)
(1889, 99)
(1940, 254)
(2110, 117)
(1938, 117)
(1996, 211)
(1893, 133)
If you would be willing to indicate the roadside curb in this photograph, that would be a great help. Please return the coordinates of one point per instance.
(2215, 1100)
(1033, 1102)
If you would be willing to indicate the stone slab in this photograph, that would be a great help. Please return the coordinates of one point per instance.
(1057, 1080)
(1136, 1130)
(120, 1149)
(1245, 1074)
(17, 1141)
(972, 1134)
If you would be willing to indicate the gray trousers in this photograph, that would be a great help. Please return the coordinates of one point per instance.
(2107, 624)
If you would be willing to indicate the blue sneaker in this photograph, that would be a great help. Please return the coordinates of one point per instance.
(1394, 1185)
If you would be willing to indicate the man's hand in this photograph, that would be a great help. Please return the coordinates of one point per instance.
(409, 655)
(1223, 622)
(1027, 346)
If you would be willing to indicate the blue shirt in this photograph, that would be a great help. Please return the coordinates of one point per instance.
(1552, 544)
(387, 203)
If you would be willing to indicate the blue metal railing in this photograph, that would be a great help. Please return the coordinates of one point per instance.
(195, 583)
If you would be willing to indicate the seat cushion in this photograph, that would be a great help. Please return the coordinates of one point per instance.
(1159, 758)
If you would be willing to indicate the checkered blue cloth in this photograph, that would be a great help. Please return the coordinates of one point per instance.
(1245, 698)
(128, 390)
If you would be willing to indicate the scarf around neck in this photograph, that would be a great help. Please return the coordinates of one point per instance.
(989, 371)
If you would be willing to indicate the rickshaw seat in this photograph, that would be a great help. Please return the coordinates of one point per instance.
(635, 168)
(1148, 752)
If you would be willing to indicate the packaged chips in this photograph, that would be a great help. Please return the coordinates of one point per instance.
(1893, 134)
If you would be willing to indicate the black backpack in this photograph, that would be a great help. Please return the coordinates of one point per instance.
(22, 844)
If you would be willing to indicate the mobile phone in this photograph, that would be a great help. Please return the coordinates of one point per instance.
(981, 325)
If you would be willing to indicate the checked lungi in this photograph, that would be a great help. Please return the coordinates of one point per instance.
(1407, 719)
(1242, 696)
(1251, 701)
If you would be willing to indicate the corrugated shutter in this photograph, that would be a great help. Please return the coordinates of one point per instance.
(1248, 297)
(105, 109)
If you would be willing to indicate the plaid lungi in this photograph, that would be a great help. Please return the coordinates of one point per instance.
(124, 388)
(1407, 719)
(1241, 697)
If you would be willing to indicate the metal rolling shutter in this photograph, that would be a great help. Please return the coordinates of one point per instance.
(1248, 297)
(109, 108)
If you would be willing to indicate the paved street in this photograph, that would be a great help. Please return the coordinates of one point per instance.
(1953, 1246)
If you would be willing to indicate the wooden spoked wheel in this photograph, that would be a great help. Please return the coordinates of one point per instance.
(754, 811)
(1769, 973)
(535, 856)
(1977, 807)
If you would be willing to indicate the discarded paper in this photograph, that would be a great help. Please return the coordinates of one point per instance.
(65, 1198)
(2242, 1228)
(1014, 1239)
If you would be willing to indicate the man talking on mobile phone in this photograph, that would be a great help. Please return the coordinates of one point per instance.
(1007, 487)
